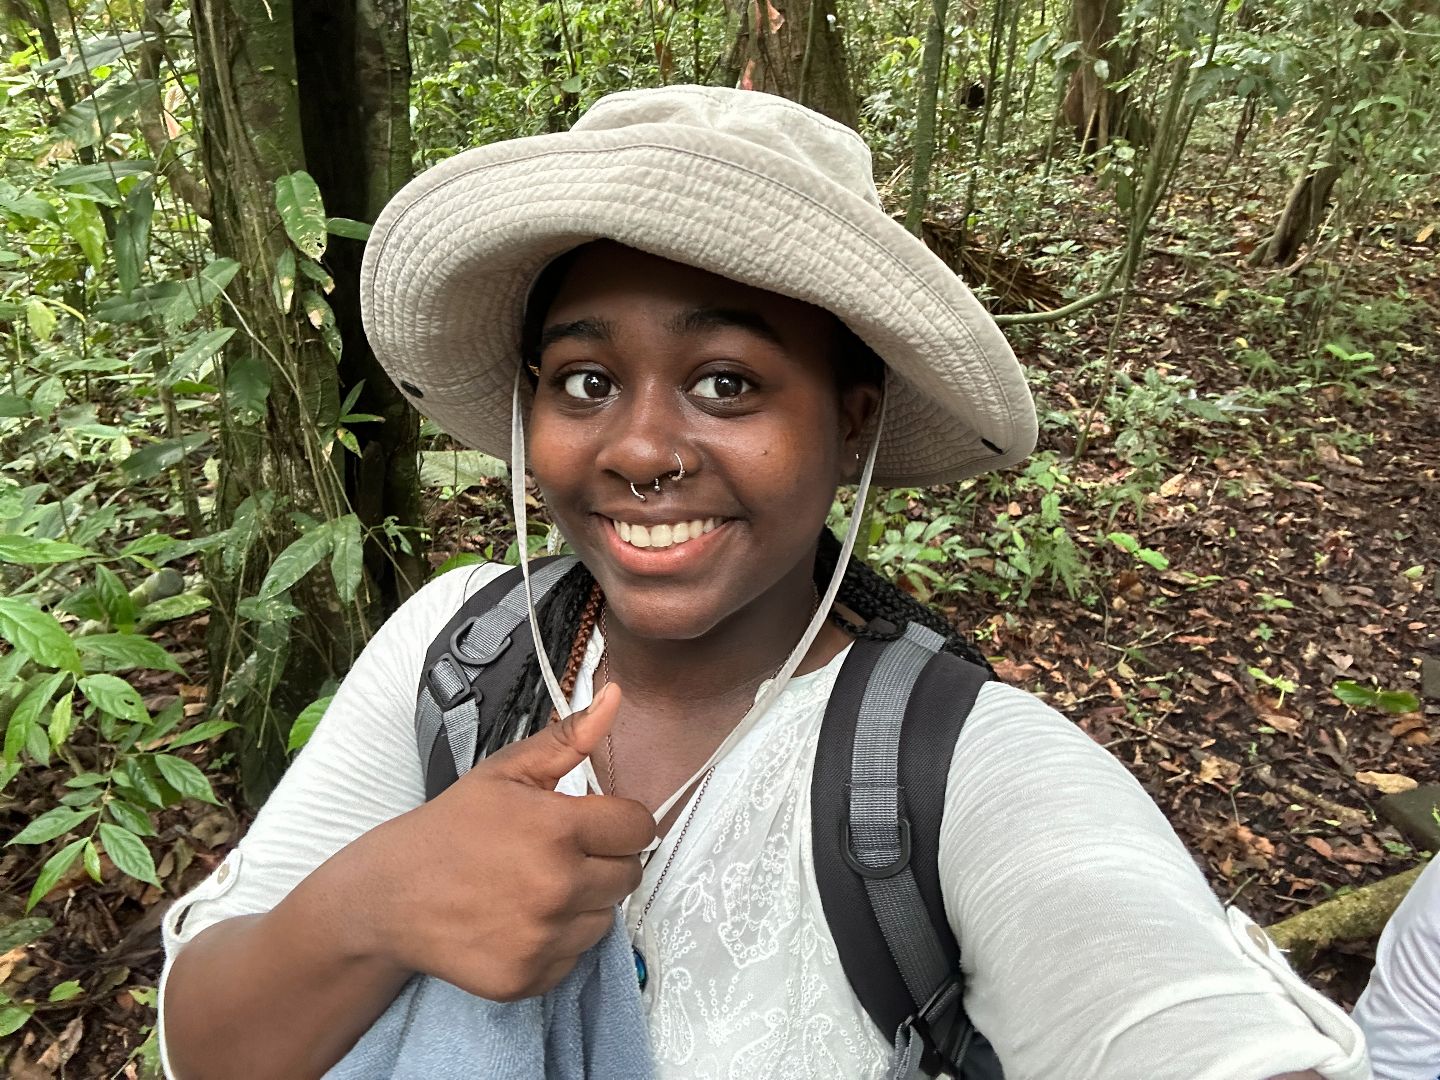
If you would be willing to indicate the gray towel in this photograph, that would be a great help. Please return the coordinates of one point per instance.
(590, 1027)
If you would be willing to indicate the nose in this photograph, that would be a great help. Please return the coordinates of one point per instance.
(645, 433)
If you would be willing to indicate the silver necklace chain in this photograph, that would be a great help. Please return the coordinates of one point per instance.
(704, 780)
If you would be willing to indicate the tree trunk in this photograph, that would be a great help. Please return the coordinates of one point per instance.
(925, 116)
(795, 49)
(354, 70)
(281, 473)
(1303, 213)
(1097, 113)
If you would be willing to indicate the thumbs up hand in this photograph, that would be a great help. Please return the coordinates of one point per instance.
(499, 884)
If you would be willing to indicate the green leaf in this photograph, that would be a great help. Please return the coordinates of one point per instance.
(54, 869)
(296, 561)
(128, 852)
(1398, 702)
(49, 825)
(1151, 557)
(98, 116)
(40, 318)
(304, 725)
(132, 234)
(197, 293)
(66, 990)
(36, 551)
(61, 719)
(37, 634)
(459, 469)
(82, 220)
(185, 777)
(247, 386)
(201, 732)
(302, 212)
(114, 599)
(12, 1018)
(198, 351)
(347, 561)
(23, 932)
(1354, 694)
(90, 855)
(122, 652)
(172, 607)
(76, 175)
(15, 405)
(23, 732)
(157, 457)
(114, 695)
(348, 228)
(129, 816)
(282, 285)
(572, 85)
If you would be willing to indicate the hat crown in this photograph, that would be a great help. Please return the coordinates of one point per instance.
(777, 124)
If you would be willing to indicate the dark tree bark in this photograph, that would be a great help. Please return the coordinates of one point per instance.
(348, 64)
(1097, 113)
(795, 49)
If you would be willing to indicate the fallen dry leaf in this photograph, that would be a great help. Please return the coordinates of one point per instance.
(1388, 783)
(1320, 847)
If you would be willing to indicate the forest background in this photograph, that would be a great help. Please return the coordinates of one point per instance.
(1210, 231)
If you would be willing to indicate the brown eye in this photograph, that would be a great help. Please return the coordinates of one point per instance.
(588, 385)
(723, 385)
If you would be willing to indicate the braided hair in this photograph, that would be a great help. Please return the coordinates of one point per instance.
(568, 615)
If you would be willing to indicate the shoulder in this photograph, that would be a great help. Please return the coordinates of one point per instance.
(438, 599)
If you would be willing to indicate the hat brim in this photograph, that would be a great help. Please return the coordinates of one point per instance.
(452, 258)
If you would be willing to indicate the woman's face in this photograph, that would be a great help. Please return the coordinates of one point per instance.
(642, 359)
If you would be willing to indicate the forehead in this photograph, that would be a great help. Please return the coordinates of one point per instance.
(610, 281)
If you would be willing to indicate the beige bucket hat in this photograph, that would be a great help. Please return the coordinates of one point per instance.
(743, 184)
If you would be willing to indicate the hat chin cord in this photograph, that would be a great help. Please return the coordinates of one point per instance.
(776, 684)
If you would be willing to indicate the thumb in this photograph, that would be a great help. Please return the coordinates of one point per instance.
(545, 757)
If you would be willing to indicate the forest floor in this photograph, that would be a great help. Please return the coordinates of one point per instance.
(1290, 542)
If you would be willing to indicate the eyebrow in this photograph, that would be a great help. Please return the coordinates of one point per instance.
(600, 331)
(692, 321)
(700, 319)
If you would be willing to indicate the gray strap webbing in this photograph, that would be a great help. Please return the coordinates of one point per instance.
(879, 831)
(452, 673)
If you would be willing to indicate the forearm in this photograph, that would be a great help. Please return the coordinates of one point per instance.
(284, 994)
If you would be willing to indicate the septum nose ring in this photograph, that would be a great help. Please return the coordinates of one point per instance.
(676, 477)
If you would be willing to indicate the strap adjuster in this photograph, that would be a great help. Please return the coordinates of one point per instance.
(460, 680)
(460, 645)
(891, 868)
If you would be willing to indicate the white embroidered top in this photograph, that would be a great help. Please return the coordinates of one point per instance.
(1093, 947)
(1400, 1009)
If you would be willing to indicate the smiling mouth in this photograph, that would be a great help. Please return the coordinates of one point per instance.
(663, 536)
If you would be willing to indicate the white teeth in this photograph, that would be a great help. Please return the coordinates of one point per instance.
(663, 536)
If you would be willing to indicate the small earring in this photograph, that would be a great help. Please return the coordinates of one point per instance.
(678, 476)
(636, 493)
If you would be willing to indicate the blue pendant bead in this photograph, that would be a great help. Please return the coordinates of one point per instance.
(642, 970)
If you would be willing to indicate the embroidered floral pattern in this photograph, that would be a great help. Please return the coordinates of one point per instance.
(745, 978)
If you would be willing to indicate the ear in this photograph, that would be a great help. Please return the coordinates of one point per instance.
(858, 405)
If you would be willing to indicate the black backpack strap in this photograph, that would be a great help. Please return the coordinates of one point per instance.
(468, 666)
(878, 795)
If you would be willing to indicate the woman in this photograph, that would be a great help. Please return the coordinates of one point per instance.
(712, 324)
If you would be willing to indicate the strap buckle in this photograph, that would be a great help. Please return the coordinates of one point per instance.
(460, 645)
(891, 868)
(935, 1058)
(460, 686)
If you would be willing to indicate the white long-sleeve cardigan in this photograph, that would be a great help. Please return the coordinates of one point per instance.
(1092, 945)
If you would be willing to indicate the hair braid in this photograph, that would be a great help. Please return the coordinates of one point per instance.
(870, 596)
(527, 705)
